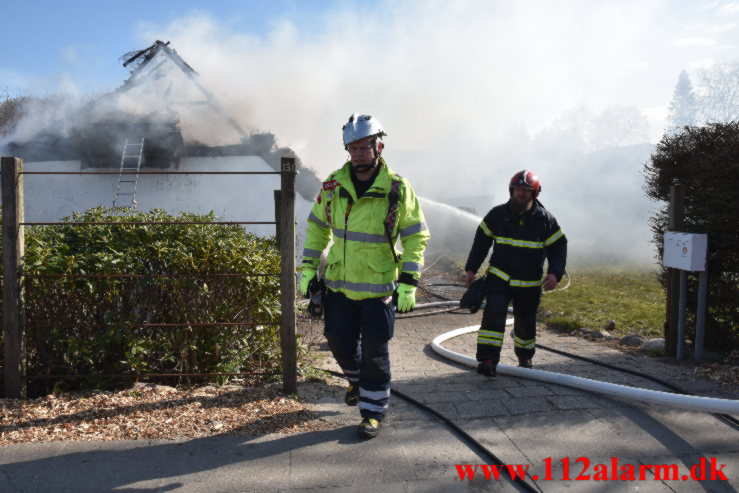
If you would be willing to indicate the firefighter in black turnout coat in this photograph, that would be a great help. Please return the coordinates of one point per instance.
(525, 234)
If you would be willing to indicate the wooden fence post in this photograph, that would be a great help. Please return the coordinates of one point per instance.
(278, 201)
(286, 227)
(14, 369)
(677, 213)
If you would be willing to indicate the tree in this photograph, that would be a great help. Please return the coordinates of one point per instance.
(719, 93)
(618, 126)
(11, 111)
(582, 130)
(683, 107)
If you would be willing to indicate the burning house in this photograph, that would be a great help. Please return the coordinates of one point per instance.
(161, 90)
(146, 123)
(162, 117)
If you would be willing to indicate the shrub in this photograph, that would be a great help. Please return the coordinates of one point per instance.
(88, 326)
(705, 161)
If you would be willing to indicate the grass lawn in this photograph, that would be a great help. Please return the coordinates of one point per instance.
(632, 298)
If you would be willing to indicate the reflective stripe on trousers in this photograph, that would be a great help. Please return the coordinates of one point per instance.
(525, 304)
(490, 338)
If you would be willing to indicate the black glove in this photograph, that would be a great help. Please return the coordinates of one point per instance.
(317, 293)
(474, 296)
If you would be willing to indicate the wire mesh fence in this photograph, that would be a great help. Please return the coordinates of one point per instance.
(144, 318)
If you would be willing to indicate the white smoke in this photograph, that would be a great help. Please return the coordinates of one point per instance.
(435, 73)
(469, 93)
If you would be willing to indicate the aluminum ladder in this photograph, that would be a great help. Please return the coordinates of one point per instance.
(127, 182)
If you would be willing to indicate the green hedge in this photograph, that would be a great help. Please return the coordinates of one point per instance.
(705, 161)
(65, 315)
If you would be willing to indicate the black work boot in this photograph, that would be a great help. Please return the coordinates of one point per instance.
(351, 398)
(369, 427)
(486, 367)
(525, 363)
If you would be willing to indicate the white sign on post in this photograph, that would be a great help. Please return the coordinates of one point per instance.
(685, 251)
(688, 252)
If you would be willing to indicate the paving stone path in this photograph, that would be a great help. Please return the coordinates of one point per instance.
(525, 421)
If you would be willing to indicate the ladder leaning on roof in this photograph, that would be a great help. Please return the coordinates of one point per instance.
(127, 182)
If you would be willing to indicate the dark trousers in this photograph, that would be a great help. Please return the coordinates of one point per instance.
(525, 305)
(358, 333)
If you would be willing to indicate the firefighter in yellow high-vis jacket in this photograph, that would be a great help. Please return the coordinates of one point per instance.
(364, 207)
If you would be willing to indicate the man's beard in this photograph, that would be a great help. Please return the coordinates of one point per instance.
(519, 206)
(363, 168)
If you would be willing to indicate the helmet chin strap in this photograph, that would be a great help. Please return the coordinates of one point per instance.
(363, 168)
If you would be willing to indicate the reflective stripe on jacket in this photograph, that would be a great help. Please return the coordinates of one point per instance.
(522, 243)
(360, 263)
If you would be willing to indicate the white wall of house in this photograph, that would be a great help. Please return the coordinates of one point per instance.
(231, 197)
(49, 198)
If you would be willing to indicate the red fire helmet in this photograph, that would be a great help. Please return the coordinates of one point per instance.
(525, 179)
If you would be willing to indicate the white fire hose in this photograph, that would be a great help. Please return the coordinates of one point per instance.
(694, 403)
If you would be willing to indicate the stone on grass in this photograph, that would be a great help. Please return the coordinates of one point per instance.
(656, 344)
(610, 325)
(633, 340)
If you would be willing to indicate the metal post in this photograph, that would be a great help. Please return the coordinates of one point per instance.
(286, 224)
(676, 216)
(14, 370)
(683, 279)
(700, 321)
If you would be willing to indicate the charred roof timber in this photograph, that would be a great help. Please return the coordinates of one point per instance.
(145, 56)
(100, 141)
(99, 136)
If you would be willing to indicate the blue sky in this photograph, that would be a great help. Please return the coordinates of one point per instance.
(45, 41)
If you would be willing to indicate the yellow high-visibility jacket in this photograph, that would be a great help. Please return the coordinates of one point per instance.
(360, 263)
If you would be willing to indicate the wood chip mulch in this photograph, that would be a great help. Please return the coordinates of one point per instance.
(724, 372)
(149, 411)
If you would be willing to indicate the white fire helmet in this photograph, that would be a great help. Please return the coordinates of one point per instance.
(360, 126)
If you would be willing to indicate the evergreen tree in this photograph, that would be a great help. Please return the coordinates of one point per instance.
(683, 106)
